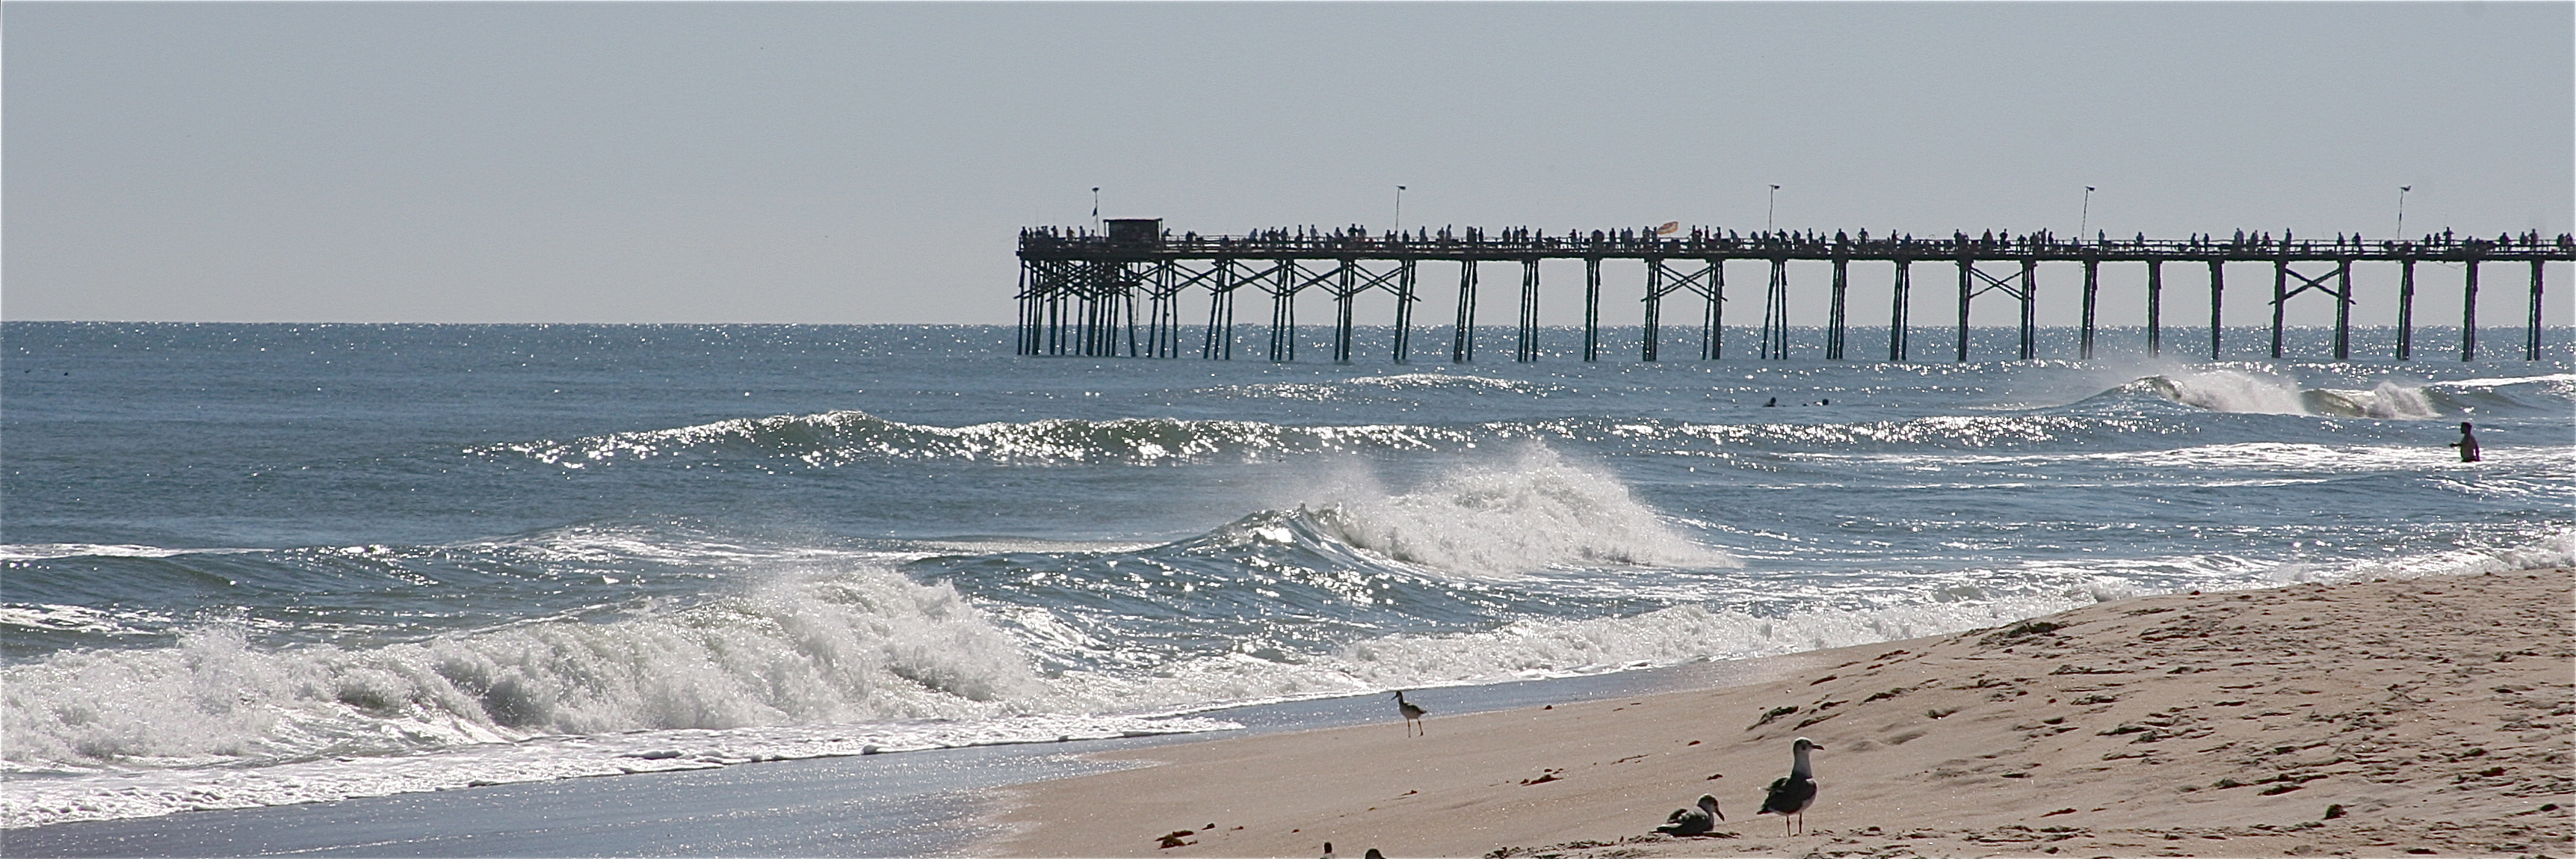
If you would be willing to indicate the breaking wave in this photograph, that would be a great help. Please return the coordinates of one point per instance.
(838, 438)
(844, 438)
(855, 646)
(2252, 393)
(1537, 511)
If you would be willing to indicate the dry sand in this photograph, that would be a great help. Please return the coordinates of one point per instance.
(2435, 712)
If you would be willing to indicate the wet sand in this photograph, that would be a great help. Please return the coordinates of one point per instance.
(2383, 718)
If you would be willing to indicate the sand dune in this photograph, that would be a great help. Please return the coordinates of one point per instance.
(2386, 718)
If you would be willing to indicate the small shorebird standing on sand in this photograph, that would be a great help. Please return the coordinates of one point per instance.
(1694, 821)
(1412, 714)
(1791, 795)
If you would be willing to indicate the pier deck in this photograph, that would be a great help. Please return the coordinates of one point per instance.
(1080, 291)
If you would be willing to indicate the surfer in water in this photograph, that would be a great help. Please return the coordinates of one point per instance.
(2468, 443)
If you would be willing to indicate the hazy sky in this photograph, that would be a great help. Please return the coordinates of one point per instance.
(832, 162)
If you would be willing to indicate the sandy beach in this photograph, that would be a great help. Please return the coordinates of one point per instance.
(2379, 718)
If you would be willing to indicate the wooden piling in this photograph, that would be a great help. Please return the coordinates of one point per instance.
(1462, 342)
(1220, 326)
(1028, 308)
(1654, 308)
(1591, 308)
(1404, 299)
(2092, 285)
(2029, 308)
(1712, 331)
(1967, 267)
(1897, 301)
(1125, 287)
(2406, 307)
(2217, 290)
(1775, 312)
(1525, 349)
(2469, 311)
(1283, 314)
(1344, 294)
(2531, 329)
(2343, 311)
(2280, 301)
(1834, 317)
(2155, 307)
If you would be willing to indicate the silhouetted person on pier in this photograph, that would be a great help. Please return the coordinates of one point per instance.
(2468, 443)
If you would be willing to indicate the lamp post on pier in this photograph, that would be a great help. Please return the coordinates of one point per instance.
(1399, 210)
(2401, 210)
(1768, 224)
(2085, 220)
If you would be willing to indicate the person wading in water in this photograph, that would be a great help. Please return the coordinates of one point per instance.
(2468, 443)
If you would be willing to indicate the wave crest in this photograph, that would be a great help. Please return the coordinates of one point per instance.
(840, 438)
(2240, 392)
(1535, 512)
(853, 646)
(843, 438)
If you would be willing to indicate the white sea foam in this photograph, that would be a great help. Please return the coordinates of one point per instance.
(2243, 392)
(2554, 549)
(2387, 400)
(2561, 382)
(1309, 391)
(838, 438)
(47, 551)
(1451, 380)
(2229, 391)
(1535, 511)
(2190, 464)
(855, 646)
(75, 618)
(1949, 432)
(147, 793)
(1559, 647)
(843, 438)
(594, 544)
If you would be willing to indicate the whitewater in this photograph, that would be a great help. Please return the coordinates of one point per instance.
(251, 565)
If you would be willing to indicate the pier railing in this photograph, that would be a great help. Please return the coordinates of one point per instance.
(1080, 291)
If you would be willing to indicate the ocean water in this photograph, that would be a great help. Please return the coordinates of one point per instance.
(265, 564)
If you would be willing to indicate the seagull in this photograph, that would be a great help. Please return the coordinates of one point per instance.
(1412, 714)
(1792, 794)
(1694, 821)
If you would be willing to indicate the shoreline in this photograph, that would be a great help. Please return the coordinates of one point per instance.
(2422, 714)
(892, 804)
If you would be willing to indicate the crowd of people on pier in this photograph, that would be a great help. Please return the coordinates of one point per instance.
(1671, 238)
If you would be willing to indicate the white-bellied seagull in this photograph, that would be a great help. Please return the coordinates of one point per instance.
(1412, 714)
(1694, 821)
(1791, 795)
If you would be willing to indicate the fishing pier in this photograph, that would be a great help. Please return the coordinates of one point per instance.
(1081, 292)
